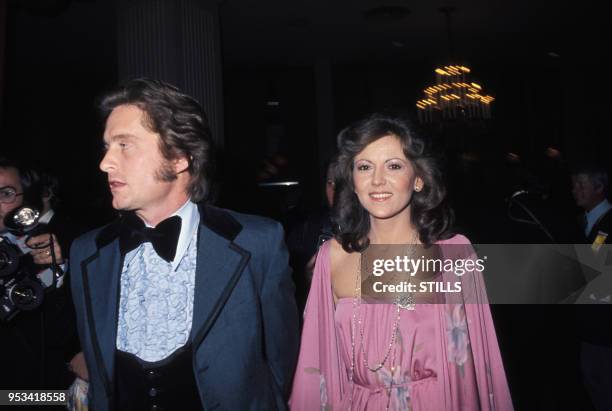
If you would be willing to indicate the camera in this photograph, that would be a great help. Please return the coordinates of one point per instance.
(20, 288)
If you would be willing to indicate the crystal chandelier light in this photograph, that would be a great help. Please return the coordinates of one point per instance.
(453, 96)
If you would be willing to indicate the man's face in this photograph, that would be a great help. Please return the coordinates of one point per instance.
(9, 178)
(135, 166)
(586, 193)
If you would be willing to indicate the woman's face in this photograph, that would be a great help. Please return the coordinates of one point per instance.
(384, 179)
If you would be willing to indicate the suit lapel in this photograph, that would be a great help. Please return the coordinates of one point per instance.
(219, 265)
(101, 273)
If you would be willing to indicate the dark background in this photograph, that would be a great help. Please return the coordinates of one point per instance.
(543, 61)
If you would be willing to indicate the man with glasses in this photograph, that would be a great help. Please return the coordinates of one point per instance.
(35, 345)
(21, 186)
(11, 191)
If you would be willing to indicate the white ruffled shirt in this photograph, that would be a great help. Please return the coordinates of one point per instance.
(156, 296)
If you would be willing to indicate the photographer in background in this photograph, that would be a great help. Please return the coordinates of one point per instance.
(36, 345)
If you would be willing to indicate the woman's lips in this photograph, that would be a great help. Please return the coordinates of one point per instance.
(380, 196)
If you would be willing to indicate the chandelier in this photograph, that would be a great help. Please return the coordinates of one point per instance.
(453, 96)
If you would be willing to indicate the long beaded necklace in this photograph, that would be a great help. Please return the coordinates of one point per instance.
(391, 342)
(402, 302)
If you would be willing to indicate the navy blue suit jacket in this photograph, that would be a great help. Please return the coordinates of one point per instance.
(245, 327)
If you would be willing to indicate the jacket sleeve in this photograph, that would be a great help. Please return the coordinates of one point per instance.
(79, 249)
(76, 289)
(280, 318)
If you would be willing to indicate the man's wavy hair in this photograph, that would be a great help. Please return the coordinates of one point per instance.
(180, 122)
(430, 212)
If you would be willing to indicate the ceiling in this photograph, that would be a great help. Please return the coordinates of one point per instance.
(300, 31)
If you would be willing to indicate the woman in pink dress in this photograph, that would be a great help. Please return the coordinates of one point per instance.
(395, 356)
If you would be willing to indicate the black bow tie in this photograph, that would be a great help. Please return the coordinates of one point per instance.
(164, 237)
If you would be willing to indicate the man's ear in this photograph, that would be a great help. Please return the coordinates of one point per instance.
(181, 164)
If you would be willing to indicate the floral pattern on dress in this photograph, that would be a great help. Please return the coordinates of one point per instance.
(457, 335)
(399, 395)
(322, 388)
(323, 392)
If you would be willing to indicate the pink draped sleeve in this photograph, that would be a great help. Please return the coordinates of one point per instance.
(476, 380)
(319, 379)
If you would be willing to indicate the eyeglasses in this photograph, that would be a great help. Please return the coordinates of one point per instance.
(8, 195)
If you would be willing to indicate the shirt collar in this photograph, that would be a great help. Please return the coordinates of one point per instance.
(190, 219)
(596, 213)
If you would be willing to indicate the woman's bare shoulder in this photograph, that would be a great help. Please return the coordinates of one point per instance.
(337, 255)
(342, 270)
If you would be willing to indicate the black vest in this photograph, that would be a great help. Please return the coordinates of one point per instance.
(165, 385)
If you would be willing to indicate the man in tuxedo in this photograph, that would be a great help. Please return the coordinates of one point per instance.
(180, 305)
